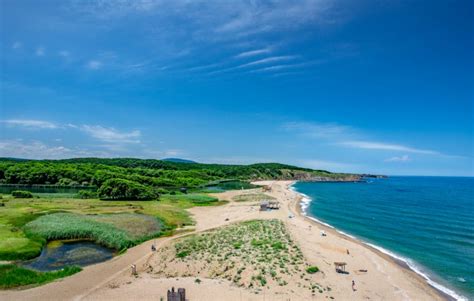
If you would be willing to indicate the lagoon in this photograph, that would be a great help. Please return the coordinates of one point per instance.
(58, 254)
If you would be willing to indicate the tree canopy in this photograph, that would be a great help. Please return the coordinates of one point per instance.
(149, 173)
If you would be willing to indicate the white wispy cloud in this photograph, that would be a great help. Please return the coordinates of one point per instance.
(32, 150)
(373, 145)
(30, 123)
(264, 61)
(257, 17)
(268, 60)
(94, 64)
(287, 66)
(111, 135)
(40, 51)
(350, 137)
(209, 18)
(39, 150)
(319, 130)
(255, 52)
(404, 158)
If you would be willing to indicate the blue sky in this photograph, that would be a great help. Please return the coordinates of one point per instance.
(355, 86)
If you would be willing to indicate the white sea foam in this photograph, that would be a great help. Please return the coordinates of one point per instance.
(305, 202)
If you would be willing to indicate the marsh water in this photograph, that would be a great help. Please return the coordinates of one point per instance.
(7, 189)
(59, 254)
(230, 185)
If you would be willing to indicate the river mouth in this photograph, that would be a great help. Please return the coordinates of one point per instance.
(58, 254)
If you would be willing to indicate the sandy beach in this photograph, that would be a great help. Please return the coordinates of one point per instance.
(376, 275)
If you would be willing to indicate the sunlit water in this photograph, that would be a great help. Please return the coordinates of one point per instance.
(59, 254)
(426, 221)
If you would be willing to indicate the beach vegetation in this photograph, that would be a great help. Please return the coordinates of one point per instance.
(252, 197)
(168, 176)
(312, 269)
(121, 189)
(21, 194)
(248, 253)
(104, 221)
(12, 276)
(87, 194)
(117, 231)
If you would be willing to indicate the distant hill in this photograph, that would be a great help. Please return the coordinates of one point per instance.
(178, 160)
(164, 175)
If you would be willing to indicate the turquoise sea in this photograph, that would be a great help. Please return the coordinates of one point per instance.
(428, 222)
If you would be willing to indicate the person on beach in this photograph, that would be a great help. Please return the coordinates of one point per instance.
(134, 269)
(353, 286)
(153, 248)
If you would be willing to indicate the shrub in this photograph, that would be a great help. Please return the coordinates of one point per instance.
(21, 194)
(87, 194)
(312, 269)
(14, 276)
(182, 254)
(121, 189)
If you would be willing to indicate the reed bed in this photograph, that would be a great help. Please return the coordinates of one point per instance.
(117, 231)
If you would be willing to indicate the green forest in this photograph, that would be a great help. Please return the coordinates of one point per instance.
(126, 178)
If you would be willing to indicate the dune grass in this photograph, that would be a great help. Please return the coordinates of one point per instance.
(252, 197)
(251, 254)
(13, 276)
(189, 200)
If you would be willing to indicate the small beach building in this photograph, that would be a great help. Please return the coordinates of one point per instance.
(179, 295)
(269, 205)
(340, 267)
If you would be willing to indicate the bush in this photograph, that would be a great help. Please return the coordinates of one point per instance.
(14, 276)
(121, 189)
(21, 194)
(87, 194)
(312, 269)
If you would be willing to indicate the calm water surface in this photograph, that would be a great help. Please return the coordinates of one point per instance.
(58, 254)
(429, 221)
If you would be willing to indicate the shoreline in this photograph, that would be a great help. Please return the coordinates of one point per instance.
(441, 290)
(386, 278)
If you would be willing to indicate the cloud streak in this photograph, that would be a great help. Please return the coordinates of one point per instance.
(404, 158)
(263, 61)
(253, 53)
(372, 145)
(350, 137)
(111, 135)
(318, 130)
(39, 150)
(30, 123)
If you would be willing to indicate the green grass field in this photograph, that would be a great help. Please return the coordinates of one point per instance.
(26, 224)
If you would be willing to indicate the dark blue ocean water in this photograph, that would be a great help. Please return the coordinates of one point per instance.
(429, 221)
